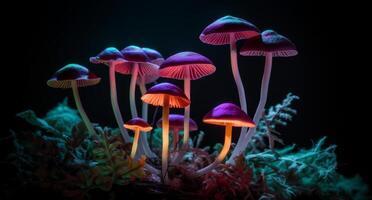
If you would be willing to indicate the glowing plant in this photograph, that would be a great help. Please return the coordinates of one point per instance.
(136, 63)
(228, 30)
(110, 57)
(228, 115)
(176, 123)
(137, 125)
(74, 76)
(186, 66)
(168, 96)
(269, 44)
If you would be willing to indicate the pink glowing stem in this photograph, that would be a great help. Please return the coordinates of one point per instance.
(115, 105)
(239, 149)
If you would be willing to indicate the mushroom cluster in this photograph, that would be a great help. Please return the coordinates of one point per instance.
(145, 66)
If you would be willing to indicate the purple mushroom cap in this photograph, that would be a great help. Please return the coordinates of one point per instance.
(183, 64)
(73, 72)
(269, 42)
(155, 96)
(176, 122)
(135, 55)
(228, 113)
(154, 56)
(106, 56)
(221, 30)
(138, 123)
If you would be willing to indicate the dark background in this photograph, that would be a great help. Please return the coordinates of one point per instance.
(43, 37)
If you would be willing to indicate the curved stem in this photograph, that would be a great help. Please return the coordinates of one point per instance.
(80, 108)
(115, 105)
(223, 153)
(239, 149)
(165, 139)
(143, 140)
(135, 143)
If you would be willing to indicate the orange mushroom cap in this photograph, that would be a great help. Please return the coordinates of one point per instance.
(138, 123)
(228, 113)
(155, 96)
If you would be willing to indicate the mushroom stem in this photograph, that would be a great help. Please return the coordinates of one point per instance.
(223, 153)
(80, 108)
(186, 122)
(239, 84)
(135, 143)
(239, 149)
(175, 138)
(143, 140)
(165, 139)
(132, 91)
(115, 105)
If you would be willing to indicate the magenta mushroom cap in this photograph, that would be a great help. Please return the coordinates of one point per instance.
(183, 64)
(219, 32)
(138, 123)
(176, 122)
(73, 72)
(228, 113)
(135, 55)
(154, 56)
(157, 93)
(106, 56)
(269, 42)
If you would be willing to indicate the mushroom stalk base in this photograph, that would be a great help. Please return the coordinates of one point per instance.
(223, 153)
(115, 105)
(135, 143)
(165, 139)
(80, 108)
(239, 149)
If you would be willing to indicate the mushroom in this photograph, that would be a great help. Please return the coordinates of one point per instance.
(228, 115)
(168, 96)
(176, 123)
(74, 76)
(186, 66)
(137, 64)
(137, 124)
(228, 30)
(110, 57)
(269, 44)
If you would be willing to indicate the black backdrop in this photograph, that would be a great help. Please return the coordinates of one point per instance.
(45, 36)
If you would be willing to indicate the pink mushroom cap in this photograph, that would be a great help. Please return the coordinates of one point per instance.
(180, 65)
(268, 42)
(176, 122)
(73, 72)
(156, 94)
(228, 113)
(219, 32)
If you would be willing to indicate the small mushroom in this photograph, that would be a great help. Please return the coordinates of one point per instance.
(186, 66)
(228, 115)
(168, 96)
(74, 76)
(137, 125)
(111, 56)
(176, 123)
(269, 44)
(228, 30)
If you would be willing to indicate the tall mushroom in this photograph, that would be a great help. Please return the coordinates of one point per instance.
(168, 96)
(74, 76)
(228, 115)
(136, 63)
(269, 44)
(110, 57)
(176, 124)
(228, 30)
(137, 125)
(186, 66)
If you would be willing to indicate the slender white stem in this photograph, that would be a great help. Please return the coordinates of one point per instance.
(132, 91)
(80, 108)
(143, 140)
(165, 139)
(260, 108)
(135, 143)
(223, 153)
(239, 84)
(115, 105)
